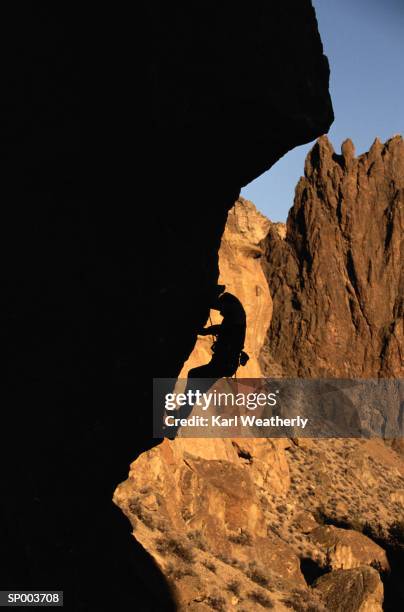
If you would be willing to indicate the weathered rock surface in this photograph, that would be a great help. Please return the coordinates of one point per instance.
(250, 507)
(354, 590)
(203, 519)
(241, 271)
(347, 549)
(337, 279)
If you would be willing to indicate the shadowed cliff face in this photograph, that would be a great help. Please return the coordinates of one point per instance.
(231, 90)
(258, 86)
(337, 280)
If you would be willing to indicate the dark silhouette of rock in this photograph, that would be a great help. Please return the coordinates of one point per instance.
(232, 90)
(228, 123)
(337, 280)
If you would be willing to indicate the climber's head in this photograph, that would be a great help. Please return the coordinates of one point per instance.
(226, 303)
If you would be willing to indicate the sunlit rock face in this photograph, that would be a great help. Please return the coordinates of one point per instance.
(337, 279)
(355, 589)
(240, 270)
(198, 506)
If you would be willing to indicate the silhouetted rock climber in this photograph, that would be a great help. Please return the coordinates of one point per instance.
(230, 336)
(227, 349)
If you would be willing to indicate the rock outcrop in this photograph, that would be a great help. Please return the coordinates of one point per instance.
(300, 522)
(206, 492)
(337, 279)
(347, 549)
(241, 271)
(202, 518)
(257, 516)
(355, 590)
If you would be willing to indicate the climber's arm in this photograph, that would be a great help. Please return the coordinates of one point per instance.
(212, 330)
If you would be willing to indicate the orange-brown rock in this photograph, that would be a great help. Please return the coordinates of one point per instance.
(305, 522)
(347, 549)
(354, 590)
(337, 279)
(203, 519)
(241, 271)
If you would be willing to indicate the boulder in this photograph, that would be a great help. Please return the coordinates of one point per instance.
(352, 590)
(347, 548)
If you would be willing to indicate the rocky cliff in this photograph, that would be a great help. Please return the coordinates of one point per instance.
(294, 524)
(196, 505)
(241, 271)
(337, 280)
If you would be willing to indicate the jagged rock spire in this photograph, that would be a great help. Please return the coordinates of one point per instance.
(348, 150)
(338, 278)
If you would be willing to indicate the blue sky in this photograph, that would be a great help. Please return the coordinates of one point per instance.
(364, 42)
